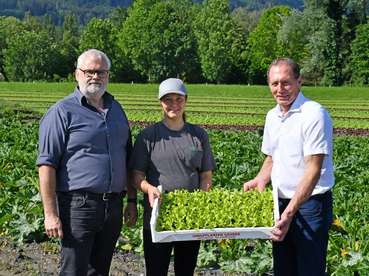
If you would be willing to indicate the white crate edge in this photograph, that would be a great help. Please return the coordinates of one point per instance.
(211, 234)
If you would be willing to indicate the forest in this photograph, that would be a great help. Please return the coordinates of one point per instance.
(86, 9)
(201, 42)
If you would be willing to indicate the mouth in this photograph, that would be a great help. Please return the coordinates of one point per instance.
(283, 97)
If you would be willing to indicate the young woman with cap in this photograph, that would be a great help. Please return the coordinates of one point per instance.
(176, 155)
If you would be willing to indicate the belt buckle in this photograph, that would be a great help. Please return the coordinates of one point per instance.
(105, 197)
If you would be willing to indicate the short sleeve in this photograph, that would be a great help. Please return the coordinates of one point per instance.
(208, 162)
(318, 134)
(139, 159)
(52, 137)
(266, 143)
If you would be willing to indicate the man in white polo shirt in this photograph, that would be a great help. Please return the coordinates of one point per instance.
(297, 143)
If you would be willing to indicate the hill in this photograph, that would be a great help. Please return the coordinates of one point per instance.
(86, 9)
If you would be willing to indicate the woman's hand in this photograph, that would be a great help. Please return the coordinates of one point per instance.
(153, 193)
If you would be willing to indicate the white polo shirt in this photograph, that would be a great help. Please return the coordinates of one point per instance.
(306, 129)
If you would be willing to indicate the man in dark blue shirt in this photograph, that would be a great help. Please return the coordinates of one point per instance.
(84, 144)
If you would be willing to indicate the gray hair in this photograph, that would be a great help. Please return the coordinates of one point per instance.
(94, 52)
(287, 61)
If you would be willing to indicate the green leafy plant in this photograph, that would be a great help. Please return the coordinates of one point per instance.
(219, 208)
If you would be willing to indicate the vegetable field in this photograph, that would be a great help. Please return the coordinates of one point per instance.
(207, 104)
(233, 116)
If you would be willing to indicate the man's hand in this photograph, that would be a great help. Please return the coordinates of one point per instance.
(53, 227)
(262, 178)
(130, 214)
(281, 228)
(255, 183)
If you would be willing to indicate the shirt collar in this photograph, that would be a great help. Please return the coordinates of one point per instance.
(295, 107)
(107, 97)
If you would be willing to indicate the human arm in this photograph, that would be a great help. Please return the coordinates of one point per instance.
(303, 192)
(140, 182)
(52, 222)
(205, 180)
(262, 178)
(130, 211)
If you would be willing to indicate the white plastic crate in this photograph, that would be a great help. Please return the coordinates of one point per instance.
(211, 234)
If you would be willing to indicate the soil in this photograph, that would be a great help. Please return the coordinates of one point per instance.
(43, 259)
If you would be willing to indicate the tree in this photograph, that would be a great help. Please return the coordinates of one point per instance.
(306, 36)
(102, 34)
(29, 56)
(360, 56)
(68, 47)
(246, 19)
(160, 46)
(293, 34)
(262, 44)
(118, 16)
(334, 27)
(221, 42)
(9, 26)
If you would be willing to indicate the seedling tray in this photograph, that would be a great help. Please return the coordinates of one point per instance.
(211, 234)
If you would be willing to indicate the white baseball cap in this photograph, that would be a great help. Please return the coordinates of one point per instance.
(172, 85)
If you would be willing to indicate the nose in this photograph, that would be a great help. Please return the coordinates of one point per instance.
(280, 87)
(96, 75)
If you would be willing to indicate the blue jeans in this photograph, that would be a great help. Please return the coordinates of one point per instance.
(304, 249)
(91, 227)
(157, 256)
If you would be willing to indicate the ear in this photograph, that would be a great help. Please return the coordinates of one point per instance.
(76, 72)
(300, 81)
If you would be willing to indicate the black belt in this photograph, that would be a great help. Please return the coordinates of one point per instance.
(96, 196)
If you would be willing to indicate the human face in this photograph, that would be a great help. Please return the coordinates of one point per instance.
(283, 85)
(173, 105)
(92, 77)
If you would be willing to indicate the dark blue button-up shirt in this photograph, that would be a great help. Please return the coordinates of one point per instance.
(88, 149)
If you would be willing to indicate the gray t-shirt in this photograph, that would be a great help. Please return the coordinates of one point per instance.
(172, 159)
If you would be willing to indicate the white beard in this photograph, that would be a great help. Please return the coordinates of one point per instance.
(94, 90)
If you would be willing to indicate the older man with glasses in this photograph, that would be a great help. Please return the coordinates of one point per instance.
(84, 145)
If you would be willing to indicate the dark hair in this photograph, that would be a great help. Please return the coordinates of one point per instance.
(288, 61)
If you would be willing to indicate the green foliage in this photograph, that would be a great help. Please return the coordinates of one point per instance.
(262, 43)
(102, 34)
(314, 66)
(293, 34)
(160, 46)
(196, 42)
(20, 204)
(348, 252)
(29, 56)
(360, 55)
(246, 19)
(218, 208)
(57, 9)
(68, 48)
(221, 43)
(9, 26)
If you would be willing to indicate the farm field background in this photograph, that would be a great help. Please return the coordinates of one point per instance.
(228, 112)
(208, 104)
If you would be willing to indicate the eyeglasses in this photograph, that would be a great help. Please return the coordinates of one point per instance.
(91, 73)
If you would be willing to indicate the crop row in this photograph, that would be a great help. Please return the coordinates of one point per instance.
(217, 116)
(237, 155)
(195, 105)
